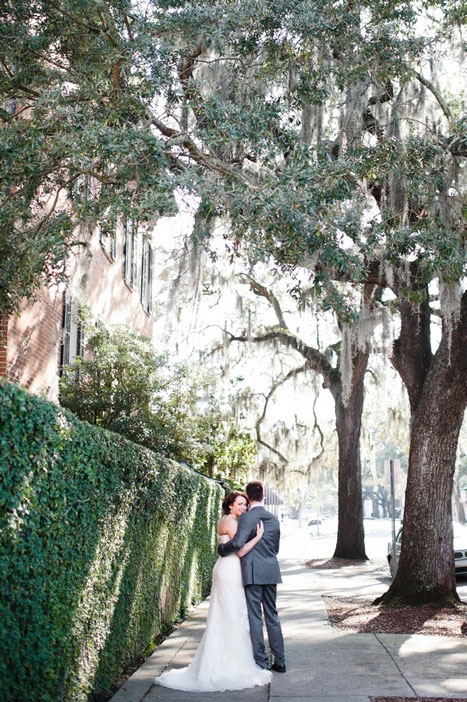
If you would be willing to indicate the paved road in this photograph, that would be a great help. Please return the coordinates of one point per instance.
(377, 536)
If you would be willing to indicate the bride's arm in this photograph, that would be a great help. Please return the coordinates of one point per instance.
(229, 525)
(252, 543)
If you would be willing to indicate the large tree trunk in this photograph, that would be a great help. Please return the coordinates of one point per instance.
(426, 566)
(350, 533)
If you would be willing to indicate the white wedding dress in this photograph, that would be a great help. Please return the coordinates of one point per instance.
(224, 658)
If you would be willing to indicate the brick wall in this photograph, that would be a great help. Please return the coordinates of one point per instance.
(3, 345)
(33, 348)
(99, 283)
(32, 354)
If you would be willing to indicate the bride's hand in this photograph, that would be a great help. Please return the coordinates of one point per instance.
(260, 529)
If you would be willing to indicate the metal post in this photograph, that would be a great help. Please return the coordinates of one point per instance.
(393, 516)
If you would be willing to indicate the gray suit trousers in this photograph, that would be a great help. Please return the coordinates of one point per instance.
(265, 595)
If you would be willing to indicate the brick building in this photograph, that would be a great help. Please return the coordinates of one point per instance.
(111, 276)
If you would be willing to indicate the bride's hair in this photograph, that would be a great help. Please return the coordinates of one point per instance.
(230, 499)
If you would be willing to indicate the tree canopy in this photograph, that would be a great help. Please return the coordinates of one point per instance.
(287, 117)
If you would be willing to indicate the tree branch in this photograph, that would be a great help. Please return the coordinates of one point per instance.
(318, 361)
(316, 426)
(434, 91)
(6, 67)
(49, 60)
(92, 28)
(116, 73)
(185, 73)
(262, 291)
(51, 211)
(128, 28)
(457, 145)
(28, 91)
(211, 162)
(302, 369)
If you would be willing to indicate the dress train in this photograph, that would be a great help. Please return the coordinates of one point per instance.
(224, 658)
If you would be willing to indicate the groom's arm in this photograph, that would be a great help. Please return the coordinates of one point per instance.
(241, 537)
(277, 538)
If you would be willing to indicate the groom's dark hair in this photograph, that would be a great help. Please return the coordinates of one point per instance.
(255, 491)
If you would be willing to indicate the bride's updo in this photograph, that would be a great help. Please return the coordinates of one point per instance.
(230, 499)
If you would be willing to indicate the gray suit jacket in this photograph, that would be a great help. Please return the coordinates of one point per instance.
(260, 565)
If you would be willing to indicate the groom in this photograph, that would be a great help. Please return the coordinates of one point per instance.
(260, 574)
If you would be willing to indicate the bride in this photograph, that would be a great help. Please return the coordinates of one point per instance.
(224, 658)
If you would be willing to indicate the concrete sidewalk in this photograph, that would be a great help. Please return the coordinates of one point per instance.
(322, 663)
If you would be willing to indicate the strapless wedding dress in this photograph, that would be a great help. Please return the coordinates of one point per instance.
(224, 658)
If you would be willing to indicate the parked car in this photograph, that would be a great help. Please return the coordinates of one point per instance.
(314, 524)
(389, 554)
(460, 550)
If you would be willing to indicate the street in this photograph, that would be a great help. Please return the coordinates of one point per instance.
(304, 541)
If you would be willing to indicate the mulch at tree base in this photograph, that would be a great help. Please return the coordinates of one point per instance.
(359, 615)
(418, 699)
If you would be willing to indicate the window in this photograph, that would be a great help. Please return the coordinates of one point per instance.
(113, 246)
(81, 187)
(146, 277)
(131, 246)
(72, 332)
(108, 233)
(126, 250)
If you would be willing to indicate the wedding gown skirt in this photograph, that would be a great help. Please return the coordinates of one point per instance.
(224, 658)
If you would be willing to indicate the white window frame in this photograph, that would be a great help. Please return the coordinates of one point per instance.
(146, 276)
(72, 331)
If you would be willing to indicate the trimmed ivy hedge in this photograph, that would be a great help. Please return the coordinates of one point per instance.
(103, 545)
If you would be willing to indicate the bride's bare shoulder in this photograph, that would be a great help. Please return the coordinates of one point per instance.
(224, 523)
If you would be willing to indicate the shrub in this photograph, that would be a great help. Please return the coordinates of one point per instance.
(123, 385)
(232, 457)
(102, 547)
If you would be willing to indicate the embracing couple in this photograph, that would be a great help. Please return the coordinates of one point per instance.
(231, 654)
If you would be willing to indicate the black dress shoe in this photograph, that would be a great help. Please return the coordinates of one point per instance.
(278, 668)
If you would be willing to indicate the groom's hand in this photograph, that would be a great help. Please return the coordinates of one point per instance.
(241, 537)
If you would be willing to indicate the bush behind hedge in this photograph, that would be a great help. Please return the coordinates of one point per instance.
(102, 546)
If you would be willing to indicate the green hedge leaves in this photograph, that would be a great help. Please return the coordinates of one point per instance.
(102, 547)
